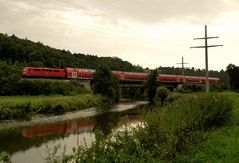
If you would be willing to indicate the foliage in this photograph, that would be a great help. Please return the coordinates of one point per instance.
(221, 145)
(189, 88)
(105, 84)
(5, 157)
(133, 92)
(27, 53)
(233, 72)
(162, 93)
(152, 85)
(164, 135)
(24, 107)
(218, 87)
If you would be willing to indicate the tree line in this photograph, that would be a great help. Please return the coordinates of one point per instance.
(28, 53)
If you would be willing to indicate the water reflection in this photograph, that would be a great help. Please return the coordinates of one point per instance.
(26, 142)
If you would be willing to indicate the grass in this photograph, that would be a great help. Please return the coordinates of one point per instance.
(221, 144)
(32, 99)
(24, 107)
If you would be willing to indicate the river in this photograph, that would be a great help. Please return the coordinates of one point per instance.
(32, 141)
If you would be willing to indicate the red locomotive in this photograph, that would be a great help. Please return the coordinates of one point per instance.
(86, 74)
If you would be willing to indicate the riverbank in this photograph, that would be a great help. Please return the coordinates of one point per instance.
(26, 107)
(169, 133)
(26, 141)
(84, 113)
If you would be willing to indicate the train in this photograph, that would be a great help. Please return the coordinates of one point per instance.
(87, 74)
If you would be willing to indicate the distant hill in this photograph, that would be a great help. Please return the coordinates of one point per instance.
(28, 53)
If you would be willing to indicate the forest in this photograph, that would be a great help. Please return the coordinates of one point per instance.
(24, 52)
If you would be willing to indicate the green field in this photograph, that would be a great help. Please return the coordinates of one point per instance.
(221, 144)
(33, 99)
(21, 107)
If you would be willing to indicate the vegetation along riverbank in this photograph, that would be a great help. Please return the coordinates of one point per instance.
(24, 107)
(187, 129)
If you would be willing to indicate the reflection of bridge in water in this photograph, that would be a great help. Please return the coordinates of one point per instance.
(68, 127)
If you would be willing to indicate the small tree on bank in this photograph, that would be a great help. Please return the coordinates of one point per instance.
(152, 85)
(105, 84)
(162, 93)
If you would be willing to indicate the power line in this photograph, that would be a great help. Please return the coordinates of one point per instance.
(206, 54)
(183, 63)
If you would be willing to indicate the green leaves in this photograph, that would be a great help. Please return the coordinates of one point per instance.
(152, 85)
(105, 84)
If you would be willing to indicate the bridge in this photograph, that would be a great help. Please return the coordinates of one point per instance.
(171, 85)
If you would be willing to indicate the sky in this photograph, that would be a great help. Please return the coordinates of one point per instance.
(148, 33)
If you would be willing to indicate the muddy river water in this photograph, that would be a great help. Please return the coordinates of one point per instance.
(30, 141)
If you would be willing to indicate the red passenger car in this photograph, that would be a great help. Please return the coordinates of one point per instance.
(77, 73)
(43, 72)
(137, 76)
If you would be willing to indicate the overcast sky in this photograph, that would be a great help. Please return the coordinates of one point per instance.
(150, 33)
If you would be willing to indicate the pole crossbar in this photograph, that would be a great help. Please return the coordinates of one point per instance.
(206, 54)
(210, 46)
(202, 38)
(183, 63)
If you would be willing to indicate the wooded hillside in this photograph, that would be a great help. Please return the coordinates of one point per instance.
(27, 53)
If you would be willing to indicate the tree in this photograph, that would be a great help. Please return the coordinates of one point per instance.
(152, 85)
(105, 84)
(233, 72)
(162, 93)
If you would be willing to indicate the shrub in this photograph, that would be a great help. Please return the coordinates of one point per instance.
(5, 157)
(162, 93)
(189, 88)
(179, 125)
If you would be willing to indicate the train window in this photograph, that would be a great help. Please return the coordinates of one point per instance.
(74, 75)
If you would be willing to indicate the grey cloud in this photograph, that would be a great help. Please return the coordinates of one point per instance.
(151, 11)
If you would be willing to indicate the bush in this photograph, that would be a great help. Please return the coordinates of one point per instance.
(162, 93)
(5, 157)
(17, 86)
(189, 88)
(179, 125)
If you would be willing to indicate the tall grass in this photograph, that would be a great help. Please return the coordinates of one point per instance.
(167, 132)
(179, 125)
(221, 144)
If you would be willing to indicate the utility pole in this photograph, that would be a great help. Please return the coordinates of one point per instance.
(182, 63)
(206, 54)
